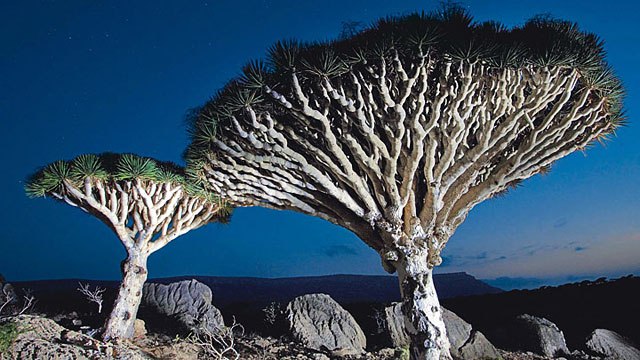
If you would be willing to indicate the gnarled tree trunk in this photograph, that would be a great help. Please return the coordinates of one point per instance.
(421, 308)
(120, 323)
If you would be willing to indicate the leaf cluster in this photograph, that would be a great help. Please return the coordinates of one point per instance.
(447, 35)
(110, 167)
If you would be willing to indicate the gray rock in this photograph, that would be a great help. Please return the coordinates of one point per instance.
(188, 301)
(9, 300)
(581, 355)
(320, 323)
(7, 293)
(458, 330)
(477, 347)
(540, 336)
(395, 326)
(612, 345)
(466, 343)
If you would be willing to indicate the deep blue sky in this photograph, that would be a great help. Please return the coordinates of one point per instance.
(87, 76)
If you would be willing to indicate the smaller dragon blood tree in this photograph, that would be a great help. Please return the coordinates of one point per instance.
(147, 204)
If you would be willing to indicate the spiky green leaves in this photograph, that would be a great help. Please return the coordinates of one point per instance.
(254, 75)
(135, 167)
(48, 180)
(88, 165)
(103, 167)
(447, 35)
(284, 55)
(326, 65)
(109, 167)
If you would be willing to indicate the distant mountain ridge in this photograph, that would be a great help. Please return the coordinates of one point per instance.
(259, 291)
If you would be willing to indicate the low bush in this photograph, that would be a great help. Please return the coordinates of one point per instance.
(8, 334)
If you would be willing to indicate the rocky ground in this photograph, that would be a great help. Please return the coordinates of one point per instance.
(37, 337)
(183, 324)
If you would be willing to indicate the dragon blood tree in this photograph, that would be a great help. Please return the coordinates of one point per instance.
(397, 132)
(145, 202)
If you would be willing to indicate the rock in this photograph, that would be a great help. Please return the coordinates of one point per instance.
(612, 345)
(540, 336)
(42, 338)
(139, 329)
(477, 347)
(458, 330)
(387, 353)
(8, 296)
(395, 325)
(188, 302)
(581, 355)
(320, 323)
(466, 343)
(177, 350)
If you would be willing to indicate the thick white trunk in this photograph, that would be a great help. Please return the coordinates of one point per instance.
(421, 309)
(120, 323)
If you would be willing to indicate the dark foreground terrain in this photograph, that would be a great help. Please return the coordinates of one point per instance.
(576, 308)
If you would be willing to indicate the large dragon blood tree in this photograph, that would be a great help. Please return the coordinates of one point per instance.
(397, 132)
(147, 204)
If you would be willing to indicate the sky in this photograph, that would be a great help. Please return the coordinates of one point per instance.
(87, 77)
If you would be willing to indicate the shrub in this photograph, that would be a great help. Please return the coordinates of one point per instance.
(8, 334)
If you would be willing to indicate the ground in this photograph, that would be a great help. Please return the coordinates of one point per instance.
(37, 337)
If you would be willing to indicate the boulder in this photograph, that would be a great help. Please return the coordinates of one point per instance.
(188, 302)
(139, 329)
(612, 345)
(395, 326)
(466, 343)
(320, 323)
(540, 336)
(9, 300)
(458, 330)
(7, 293)
(476, 347)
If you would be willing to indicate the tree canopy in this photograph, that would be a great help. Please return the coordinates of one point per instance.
(426, 114)
(50, 179)
(143, 200)
(450, 35)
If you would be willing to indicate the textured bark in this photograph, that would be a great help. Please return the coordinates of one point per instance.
(398, 149)
(421, 309)
(123, 316)
(146, 216)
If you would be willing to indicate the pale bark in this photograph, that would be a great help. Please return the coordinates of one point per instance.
(421, 308)
(121, 321)
(399, 150)
(146, 216)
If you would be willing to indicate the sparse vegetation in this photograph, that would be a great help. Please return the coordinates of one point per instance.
(380, 319)
(8, 334)
(219, 345)
(94, 295)
(403, 354)
(272, 312)
(12, 307)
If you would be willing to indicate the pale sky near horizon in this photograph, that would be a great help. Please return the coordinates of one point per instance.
(81, 77)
